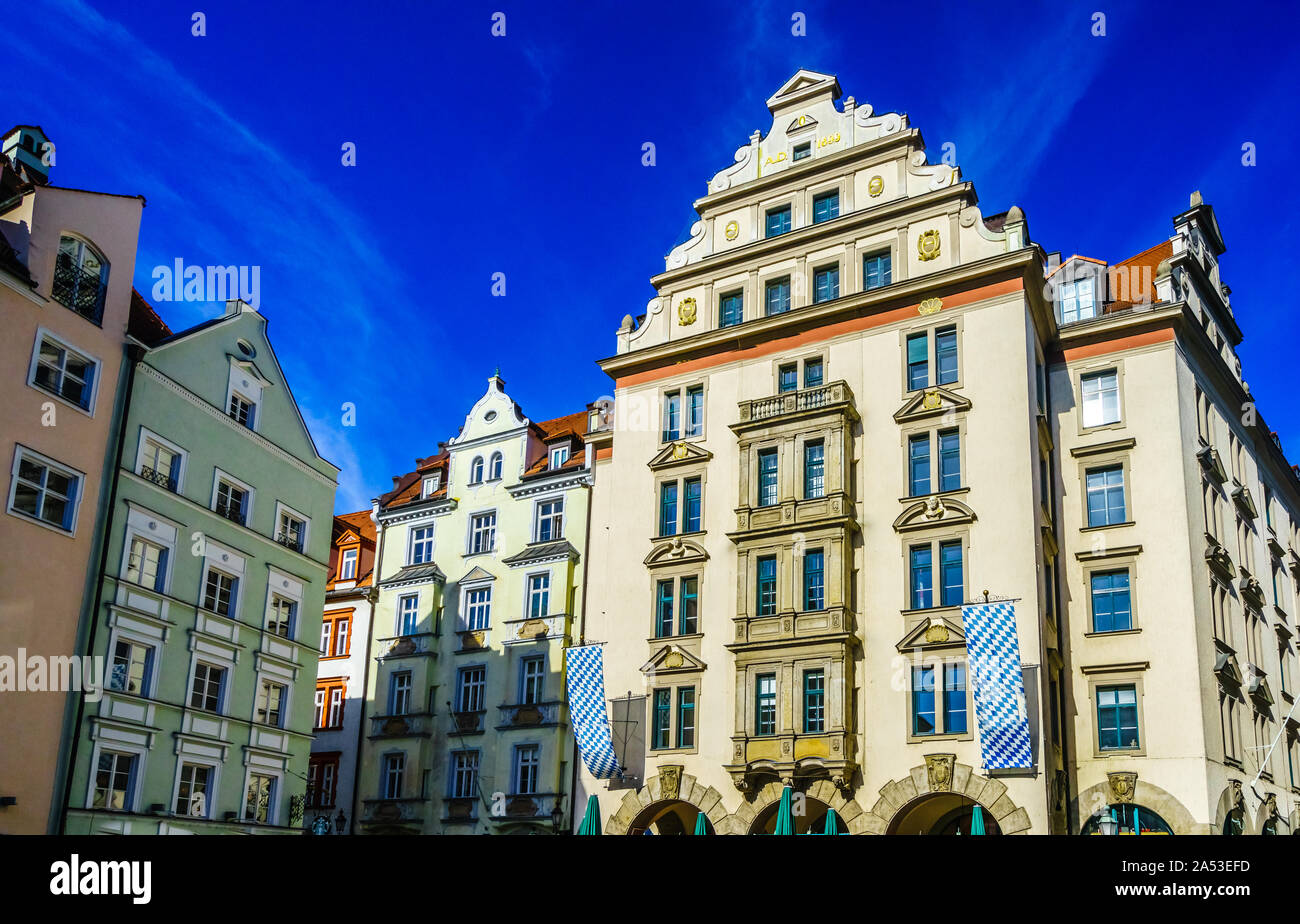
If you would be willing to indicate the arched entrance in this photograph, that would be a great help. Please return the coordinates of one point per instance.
(809, 818)
(940, 813)
(1126, 818)
(672, 816)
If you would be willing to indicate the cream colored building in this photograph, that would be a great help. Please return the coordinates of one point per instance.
(854, 405)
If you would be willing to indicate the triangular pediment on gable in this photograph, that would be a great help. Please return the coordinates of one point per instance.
(251, 368)
(801, 123)
(804, 85)
(476, 574)
(935, 632)
(672, 659)
(935, 401)
(935, 510)
(348, 537)
(679, 453)
(675, 551)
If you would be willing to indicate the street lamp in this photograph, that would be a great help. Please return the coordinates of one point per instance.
(340, 822)
(1107, 824)
(557, 817)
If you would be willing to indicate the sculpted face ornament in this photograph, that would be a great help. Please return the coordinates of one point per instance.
(927, 245)
(686, 312)
(732, 230)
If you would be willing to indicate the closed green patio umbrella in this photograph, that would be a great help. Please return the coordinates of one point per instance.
(832, 822)
(591, 820)
(701, 826)
(784, 818)
(977, 820)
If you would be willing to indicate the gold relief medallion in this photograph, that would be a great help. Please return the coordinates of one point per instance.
(937, 632)
(931, 400)
(927, 245)
(929, 306)
(673, 660)
(686, 312)
(875, 186)
(680, 451)
(732, 230)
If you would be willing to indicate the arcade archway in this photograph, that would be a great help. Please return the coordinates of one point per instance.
(673, 816)
(942, 814)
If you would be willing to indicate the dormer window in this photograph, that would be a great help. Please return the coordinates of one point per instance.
(348, 565)
(559, 455)
(1078, 301)
(242, 410)
(428, 487)
(80, 278)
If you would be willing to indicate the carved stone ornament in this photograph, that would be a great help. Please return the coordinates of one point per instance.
(938, 770)
(673, 659)
(931, 401)
(733, 230)
(937, 633)
(680, 450)
(875, 186)
(532, 628)
(1122, 786)
(930, 305)
(934, 508)
(928, 245)
(670, 781)
(686, 312)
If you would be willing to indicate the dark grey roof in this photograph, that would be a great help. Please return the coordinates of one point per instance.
(416, 573)
(541, 551)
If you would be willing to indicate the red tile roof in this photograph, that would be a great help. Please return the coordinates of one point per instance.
(361, 524)
(144, 324)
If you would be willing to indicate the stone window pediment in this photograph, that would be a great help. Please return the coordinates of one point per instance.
(675, 551)
(671, 659)
(933, 633)
(477, 575)
(1213, 465)
(934, 401)
(1225, 668)
(1243, 498)
(935, 510)
(679, 453)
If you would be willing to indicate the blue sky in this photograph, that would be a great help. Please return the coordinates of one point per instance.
(522, 155)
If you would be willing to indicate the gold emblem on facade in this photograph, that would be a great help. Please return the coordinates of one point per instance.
(673, 660)
(686, 312)
(927, 245)
(732, 230)
(930, 305)
(938, 768)
(937, 633)
(931, 401)
(875, 186)
(679, 451)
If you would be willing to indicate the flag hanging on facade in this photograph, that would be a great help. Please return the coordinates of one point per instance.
(993, 650)
(586, 683)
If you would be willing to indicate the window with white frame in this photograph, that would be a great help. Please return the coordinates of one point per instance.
(476, 470)
(63, 372)
(539, 595)
(291, 531)
(146, 564)
(193, 790)
(44, 490)
(483, 532)
(114, 787)
(1078, 301)
(494, 467)
(464, 774)
(132, 667)
(279, 616)
(471, 684)
(219, 591)
(399, 693)
(80, 278)
(559, 455)
(231, 501)
(336, 707)
(550, 520)
(421, 546)
(427, 487)
(1100, 398)
(348, 565)
(242, 410)
(208, 686)
(391, 779)
(259, 804)
(408, 614)
(270, 703)
(478, 608)
(528, 765)
(160, 463)
(532, 676)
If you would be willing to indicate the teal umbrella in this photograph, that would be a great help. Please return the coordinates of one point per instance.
(832, 822)
(1137, 823)
(784, 818)
(591, 820)
(977, 821)
(701, 826)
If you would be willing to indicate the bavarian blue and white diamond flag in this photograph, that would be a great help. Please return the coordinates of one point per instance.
(586, 682)
(993, 650)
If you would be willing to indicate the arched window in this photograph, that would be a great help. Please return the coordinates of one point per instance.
(494, 468)
(476, 470)
(1126, 818)
(80, 278)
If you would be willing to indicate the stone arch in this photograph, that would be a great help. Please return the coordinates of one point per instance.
(1232, 800)
(942, 774)
(1146, 795)
(670, 784)
(822, 790)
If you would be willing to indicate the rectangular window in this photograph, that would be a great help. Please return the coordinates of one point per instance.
(945, 355)
(802, 151)
(731, 309)
(826, 283)
(335, 717)
(242, 410)
(778, 221)
(408, 614)
(952, 590)
(391, 779)
(192, 794)
(44, 491)
(132, 666)
(813, 370)
(206, 690)
(1111, 605)
(483, 532)
(767, 478)
(787, 378)
(767, 586)
(292, 532)
(219, 592)
(1100, 398)
(660, 721)
(1077, 302)
(261, 798)
(528, 765)
(147, 564)
(918, 464)
(920, 562)
(776, 295)
(668, 508)
(814, 701)
(1117, 724)
(478, 608)
(1105, 488)
(695, 410)
(539, 596)
(814, 469)
(270, 699)
(399, 693)
(532, 676)
(64, 372)
(464, 776)
(876, 270)
(923, 701)
(471, 683)
(826, 206)
(160, 465)
(689, 623)
(114, 782)
(550, 520)
(421, 545)
(814, 579)
(765, 704)
(664, 610)
(672, 416)
(693, 488)
(686, 717)
(918, 361)
(232, 502)
(949, 460)
(559, 455)
(279, 617)
(954, 699)
(348, 565)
